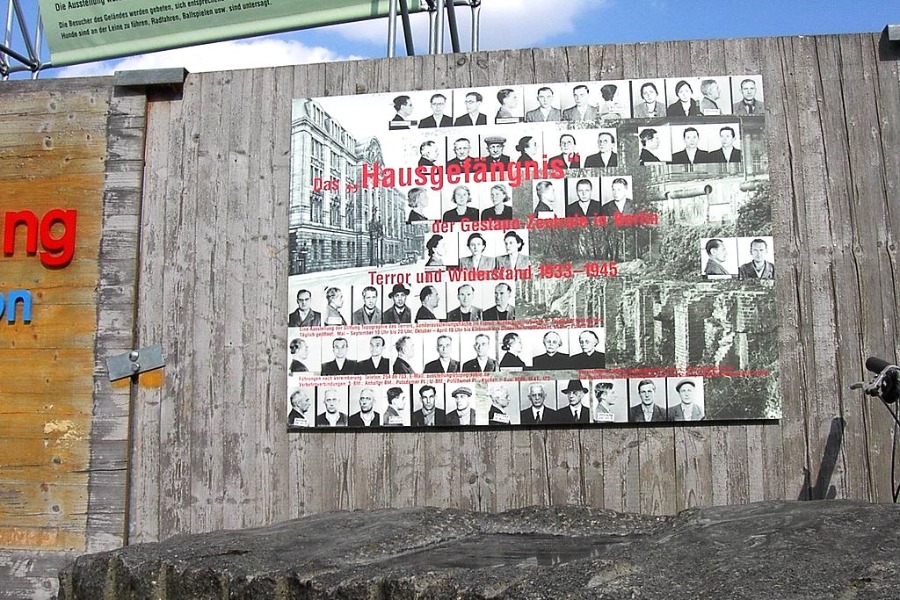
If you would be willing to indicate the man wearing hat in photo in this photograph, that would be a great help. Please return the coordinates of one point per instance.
(495, 144)
(463, 415)
(606, 398)
(539, 413)
(399, 312)
(575, 412)
(430, 299)
(686, 410)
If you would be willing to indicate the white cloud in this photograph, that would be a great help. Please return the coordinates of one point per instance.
(244, 54)
(503, 24)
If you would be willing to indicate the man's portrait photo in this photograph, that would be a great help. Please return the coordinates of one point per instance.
(606, 151)
(406, 357)
(333, 407)
(396, 413)
(649, 97)
(690, 153)
(685, 399)
(462, 154)
(437, 118)
(459, 408)
(504, 308)
(403, 109)
(374, 348)
(341, 363)
(538, 400)
(577, 407)
(362, 406)
(471, 110)
(480, 347)
(441, 352)
(617, 198)
(582, 197)
(549, 350)
(428, 154)
(715, 96)
(397, 311)
(304, 316)
(582, 108)
(755, 256)
(549, 202)
(495, 151)
(466, 309)
(648, 400)
(719, 257)
(748, 96)
(336, 305)
(510, 110)
(610, 402)
(504, 408)
(541, 105)
(367, 302)
(300, 412)
(431, 304)
(729, 150)
(428, 405)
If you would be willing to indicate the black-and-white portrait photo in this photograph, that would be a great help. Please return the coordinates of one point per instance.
(504, 408)
(340, 360)
(466, 309)
(460, 405)
(549, 349)
(407, 355)
(616, 196)
(479, 352)
(747, 93)
(542, 104)
(580, 102)
(688, 145)
(440, 250)
(428, 405)
(538, 402)
(569, 156)
(336, 311)
(512, 352)
(474, 256)
(511, 109)
(301, 411)
(367, 309)
(718, 257)
(756, 257)
(362, 406)
(372, 352)
(615, 99)
(431, 304)
(469, 111)
(332, 406)
(396, 411)
(647, 400)
(649, 97)
(684, 97)
(577, 407)
(459, 204)
(685, 399)
(583, 197)
(304, 315)
(396, 309)
(655, 145)
(304, 354)
(606, 155)
(504, 305)
(610, 401)
(549, 199)
(441, 107)
(441, 351)
(715, 95)
(592, 343)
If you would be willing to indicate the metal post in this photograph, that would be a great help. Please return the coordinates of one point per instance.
(432, 31)
(451, 22)
(407, 28)
(476, 24)
(439, 39)
(392, 28)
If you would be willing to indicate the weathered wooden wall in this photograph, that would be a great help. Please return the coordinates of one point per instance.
(212, 450)
(66, 144)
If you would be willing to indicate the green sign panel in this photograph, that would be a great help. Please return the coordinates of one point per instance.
(85, 30)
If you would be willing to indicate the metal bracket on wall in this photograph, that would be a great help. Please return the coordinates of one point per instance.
(135, 362)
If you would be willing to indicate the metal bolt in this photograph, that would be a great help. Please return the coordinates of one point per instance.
(135, 367)
(133, 355)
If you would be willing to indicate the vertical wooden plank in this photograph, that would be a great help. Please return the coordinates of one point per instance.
(621, 469)
(694, 467)
(657, 471)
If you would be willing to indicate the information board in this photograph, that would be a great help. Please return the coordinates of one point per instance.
(547, 254)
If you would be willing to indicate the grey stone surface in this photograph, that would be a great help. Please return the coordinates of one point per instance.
(771, 550)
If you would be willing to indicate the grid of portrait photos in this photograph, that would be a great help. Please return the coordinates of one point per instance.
(584, 253)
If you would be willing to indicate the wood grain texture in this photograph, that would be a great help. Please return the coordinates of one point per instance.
(212, 451)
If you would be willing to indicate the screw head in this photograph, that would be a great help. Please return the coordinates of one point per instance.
(133, 355)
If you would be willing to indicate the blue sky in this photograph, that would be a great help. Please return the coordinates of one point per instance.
(530, 23)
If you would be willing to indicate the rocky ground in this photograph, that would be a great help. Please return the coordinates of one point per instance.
(771, 550)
